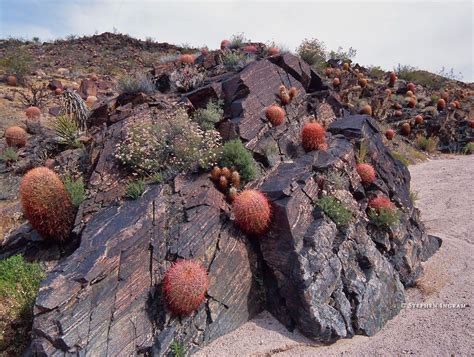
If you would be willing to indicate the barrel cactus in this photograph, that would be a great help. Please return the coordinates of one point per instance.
(184, 287)
(252, 212)
(313, 137)
(46, 204)
(15, 136)
(366, 173)
(275, 115)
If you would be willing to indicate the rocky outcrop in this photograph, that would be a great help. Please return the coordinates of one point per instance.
(328, 281)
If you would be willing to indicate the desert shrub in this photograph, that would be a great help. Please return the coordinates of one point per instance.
(414, 196)
(17, 61)
(238, 41)
(168, 58)
(426, 144)
(168, 146)
(135, 189)
(76, 190)
(337, 179)
(9, 155)
(415, 75)
(335, 210)
(187, 78)
(398, 156)
(232, 59)
(362, 151)
(66, 129)
(36, 95)
(313, 52)
(138, 82)
(345, 56)
(376, 72)
(450, 74)
(384, 217)
(177, 349)
(469, 148)
(209, 116)
(235, 154)
(19, 282)
(157, 178)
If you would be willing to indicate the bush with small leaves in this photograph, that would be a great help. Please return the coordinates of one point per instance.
(139, 82)
(187, 78)
(252, 212)
(8, 156)
(184, 287)
(335, 210)
(76, 190)
(426, 144)
(169, 146)
(275, 115)
(313, 137)
(15, 136)
(234, 154)
(232, 59)
(469, 148)
(208, 117)
(366, 173)
(46, 203)
(313, 52)
(135, 189)
(17, 61)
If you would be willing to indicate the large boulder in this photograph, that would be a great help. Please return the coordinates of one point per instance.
(328, 281)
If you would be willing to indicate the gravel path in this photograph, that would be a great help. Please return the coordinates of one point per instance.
(446, 200)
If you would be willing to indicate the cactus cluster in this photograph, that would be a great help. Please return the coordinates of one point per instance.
(272, 51)
(275, 114)
(184, 287)
(46, 203)
(381, 202)
(419, 119)
(366, 173)
(227, 180)
(287, 96)
(389, 134)
(313, 137)
(405, 129)
(252, 212)
(366, 109)
(225, 44)
(250, 49)
(15, 136)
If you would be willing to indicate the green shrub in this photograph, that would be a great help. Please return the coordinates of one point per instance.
(169, 146)
(186, 78)
(401, 158)
(139, 82)
(469, 149)
(313, 52)
(66, 129)
(376, 72)
(337, 179)
(9, 155)
(335, 210)
(208, 117)
(19, 283)
(426, 144)
(76, 190)
(17, 61)
(413, 196)
(234, 154)
(177, 349)
(157, 178)
(424, 78)
(232, 59)
(385, 217)
(345, 56)
(238, 41)
(135, 189)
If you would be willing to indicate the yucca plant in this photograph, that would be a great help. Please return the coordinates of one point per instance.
(66, 129)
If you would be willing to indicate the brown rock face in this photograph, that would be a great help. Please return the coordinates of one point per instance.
(328, 280)
(87, 88)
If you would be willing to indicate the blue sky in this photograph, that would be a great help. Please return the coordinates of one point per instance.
(425, 34)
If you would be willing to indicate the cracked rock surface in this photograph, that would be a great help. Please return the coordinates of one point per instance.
(330, 282)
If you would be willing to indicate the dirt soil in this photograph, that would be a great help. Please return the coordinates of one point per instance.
(446, 200)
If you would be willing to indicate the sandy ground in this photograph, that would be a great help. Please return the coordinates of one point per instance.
(446, 200)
